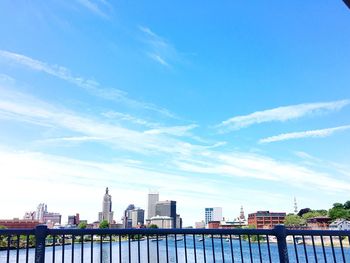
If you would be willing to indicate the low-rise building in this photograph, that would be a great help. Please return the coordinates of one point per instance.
(340, 224)
(19, 223)
(237, 223)
(266, 219)
(319, 222)
(162, 221)
(213, 224)
(199, 224)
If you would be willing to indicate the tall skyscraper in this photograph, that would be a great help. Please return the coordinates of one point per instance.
(153, 198)
(213, 214)
(107, 213)
(127, 219)
(167, 208)
(40, 212)
(137, 217)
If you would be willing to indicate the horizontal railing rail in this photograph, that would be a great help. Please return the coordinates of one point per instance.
(279, 244)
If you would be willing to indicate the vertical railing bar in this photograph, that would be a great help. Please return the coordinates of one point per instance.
(342, 249)
(129, 248)
(213, 247)
(240, 248)
(110, 248)
(250, 249)
(167, 248)
(314, 248)
(176, 256)
(157, 237)
(185, 244)
(148, 256)
(281, 236)
(92, 249)
(8, 248)
(231, 246)
(295, 249)
(204, 252)
(194, 248)
(101, 250)
(82, 248)
(139, 248)
(120, 248)
(305, 251)
(259, 247)
(323, 250)
(27, 249)
(17, 249)
(333, 252)
(268, 248)
(63, 246)
(73, 237)
(222, 249)
(53, 248)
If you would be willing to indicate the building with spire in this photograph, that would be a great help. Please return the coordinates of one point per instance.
(107, 213)
(241, 214)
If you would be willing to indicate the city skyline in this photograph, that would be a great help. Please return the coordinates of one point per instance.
(128, 217)
(223, 105)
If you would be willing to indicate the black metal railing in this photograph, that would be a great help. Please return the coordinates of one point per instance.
(173, 245)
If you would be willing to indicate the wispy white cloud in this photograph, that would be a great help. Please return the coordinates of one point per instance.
(158, 59)
(119, 116)
(96, 7)
(124, 177)
(280, 114)
(175, 130)
(24, 108)
(91, 86)
(304, 134)
(260, 167)
(160, 50)
(186, 156)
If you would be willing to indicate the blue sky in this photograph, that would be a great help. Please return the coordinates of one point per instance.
(212, 104)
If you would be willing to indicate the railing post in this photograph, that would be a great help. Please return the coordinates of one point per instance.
(280, 231)
(40, 237)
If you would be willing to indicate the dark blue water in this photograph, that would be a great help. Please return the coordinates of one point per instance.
(220, 255)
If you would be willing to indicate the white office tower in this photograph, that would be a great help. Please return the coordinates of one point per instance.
(40, 212)
(153, 198)
(213, 214)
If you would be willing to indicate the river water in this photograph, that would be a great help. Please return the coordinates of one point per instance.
(181, 253)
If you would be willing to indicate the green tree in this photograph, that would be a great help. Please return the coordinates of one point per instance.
(104, 224)
(338, 212)
(294, 220)
(338, 205)
(347, 205)
(153, 226)
(314, 213)
(3, 242)
(304, 211)
(82, 225)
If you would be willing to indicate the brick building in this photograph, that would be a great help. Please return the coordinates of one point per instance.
(19, 223)
(213, 224)
(266, 219)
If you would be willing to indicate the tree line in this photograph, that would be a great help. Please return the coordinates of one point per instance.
(338, 211)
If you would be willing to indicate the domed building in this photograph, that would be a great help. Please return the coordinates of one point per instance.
(107, 213)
